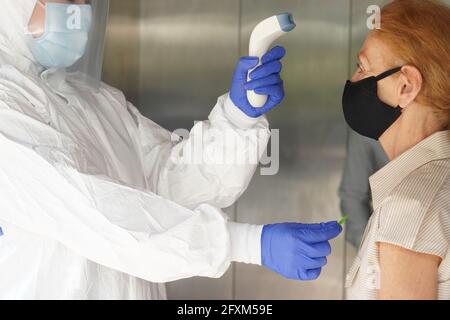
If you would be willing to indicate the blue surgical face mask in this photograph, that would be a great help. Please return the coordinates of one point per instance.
(65, 37)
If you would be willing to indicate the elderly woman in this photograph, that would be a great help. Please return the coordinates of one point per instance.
(400, 95)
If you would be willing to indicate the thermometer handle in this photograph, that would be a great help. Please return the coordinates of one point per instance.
(264, 34)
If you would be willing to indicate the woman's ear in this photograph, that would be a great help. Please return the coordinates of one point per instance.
(410, 85)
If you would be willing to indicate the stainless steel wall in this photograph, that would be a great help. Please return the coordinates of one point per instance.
(188, 53)
(121, 66)
(173, 58)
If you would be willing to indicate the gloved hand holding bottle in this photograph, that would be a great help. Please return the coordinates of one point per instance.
(297, 251)
(264, 80)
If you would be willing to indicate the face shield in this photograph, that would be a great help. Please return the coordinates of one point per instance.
(69, 35)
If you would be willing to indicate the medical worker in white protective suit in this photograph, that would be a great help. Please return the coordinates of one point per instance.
(95, 200)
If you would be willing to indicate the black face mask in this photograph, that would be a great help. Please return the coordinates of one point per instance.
(364, 112)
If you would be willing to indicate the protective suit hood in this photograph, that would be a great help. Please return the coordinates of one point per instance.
(14, 18)
(14, 50)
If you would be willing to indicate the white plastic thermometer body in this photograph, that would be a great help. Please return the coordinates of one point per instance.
(264, 34)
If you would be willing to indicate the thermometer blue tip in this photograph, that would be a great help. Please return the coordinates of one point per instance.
(286, 21)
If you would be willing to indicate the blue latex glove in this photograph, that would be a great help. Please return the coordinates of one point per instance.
(297, 251)
(264, 80)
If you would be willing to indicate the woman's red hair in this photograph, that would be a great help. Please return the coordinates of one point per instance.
(418, 32)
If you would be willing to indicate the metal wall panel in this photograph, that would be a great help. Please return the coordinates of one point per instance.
(188, 53)
(122, 48)
(312, 137)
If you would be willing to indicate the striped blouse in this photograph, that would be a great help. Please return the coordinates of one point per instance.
(411, 197)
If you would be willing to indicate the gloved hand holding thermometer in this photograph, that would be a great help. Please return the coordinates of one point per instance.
(257, 86)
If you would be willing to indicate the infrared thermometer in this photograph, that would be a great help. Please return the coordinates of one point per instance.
(264, 34)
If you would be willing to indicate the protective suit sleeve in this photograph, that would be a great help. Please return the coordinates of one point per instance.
(213, 164)
(125, 229)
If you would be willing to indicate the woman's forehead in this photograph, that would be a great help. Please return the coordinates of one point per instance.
(375, 53)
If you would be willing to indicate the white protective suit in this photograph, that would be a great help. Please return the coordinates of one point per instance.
(91, 202)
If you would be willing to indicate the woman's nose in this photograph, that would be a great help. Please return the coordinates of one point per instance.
(357, 76)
